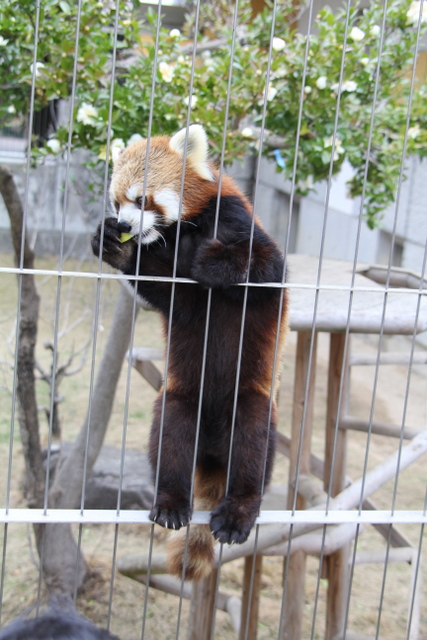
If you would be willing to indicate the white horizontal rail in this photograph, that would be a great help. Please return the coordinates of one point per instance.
(375, 288)
(111, 516)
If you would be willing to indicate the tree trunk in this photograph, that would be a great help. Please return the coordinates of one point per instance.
(27, 336)
(67, 487)
(63, 564)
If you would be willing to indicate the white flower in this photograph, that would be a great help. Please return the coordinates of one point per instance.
(357, 34)
(338, 149)
(166, 71)
(87, 114)
(304, 185)
(349, 85)
(54, 145)
(39, 65)
(117, 143)
(175, 33)
(307, 89)
(271, 92)
(247, 132)
(413, 13)
(414, 132)
(321, 82)
(193, 101)
(11, 109)
(375, 30)
(3, 41)
(278, 44)
(136, 137)
(364, 61)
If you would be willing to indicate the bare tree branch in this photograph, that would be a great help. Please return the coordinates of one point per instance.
(27, 335)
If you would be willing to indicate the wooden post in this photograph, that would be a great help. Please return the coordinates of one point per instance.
(250, 598)
(202, 607)
(336, 564)
(294, 595)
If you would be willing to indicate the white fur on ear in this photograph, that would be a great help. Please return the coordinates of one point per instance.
(115, 154)
(197, 149)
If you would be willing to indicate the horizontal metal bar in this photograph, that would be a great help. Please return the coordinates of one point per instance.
(278, 285)
(317, 516)
(392, 358)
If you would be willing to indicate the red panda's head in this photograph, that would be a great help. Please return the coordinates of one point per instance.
(163, 179)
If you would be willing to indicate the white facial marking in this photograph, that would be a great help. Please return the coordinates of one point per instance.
(112, 194)
(133, 192)
(132, 214)
(169, 200)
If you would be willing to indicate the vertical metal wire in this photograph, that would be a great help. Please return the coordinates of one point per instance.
(126, 409)
(167, 350)
(60, 264)
(113, 564)
(209, 298)
(416, 573)
(350, 307)
(3, 568)
(21, 258)
(317, 289)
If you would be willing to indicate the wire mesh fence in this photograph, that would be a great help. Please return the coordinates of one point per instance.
(315, 101)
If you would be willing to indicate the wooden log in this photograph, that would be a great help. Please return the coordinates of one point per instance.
(250, 598)
(350, 635)
(283, 445)
(141, 359)
(299, 463)
(169, 584)
(396, 537)
(399, 554)
(382, 473)
(137, 565)
(202, 609)
(336, 564)
(379, 428)
(349, 498)
(314, 543)
(311, 491)
(416, 597)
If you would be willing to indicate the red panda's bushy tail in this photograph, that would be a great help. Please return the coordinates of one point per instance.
(198, 552)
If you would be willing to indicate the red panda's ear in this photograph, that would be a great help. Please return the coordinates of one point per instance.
(197, 149)
(115, 154)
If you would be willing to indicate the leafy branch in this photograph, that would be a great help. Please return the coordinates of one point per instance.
(378, 56)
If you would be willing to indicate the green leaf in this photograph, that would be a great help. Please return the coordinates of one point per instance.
(65, 6)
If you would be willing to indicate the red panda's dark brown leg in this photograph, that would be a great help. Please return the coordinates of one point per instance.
(250, 469)
(173, 506)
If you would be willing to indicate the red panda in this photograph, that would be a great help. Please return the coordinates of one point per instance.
(217, 255)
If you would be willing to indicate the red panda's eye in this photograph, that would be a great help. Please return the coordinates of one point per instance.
(138, 201)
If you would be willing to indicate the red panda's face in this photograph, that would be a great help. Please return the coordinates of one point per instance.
(146, 201)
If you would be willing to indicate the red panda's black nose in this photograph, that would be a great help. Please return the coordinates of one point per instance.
(124, 227)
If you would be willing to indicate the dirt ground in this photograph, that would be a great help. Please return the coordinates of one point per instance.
(112, 599)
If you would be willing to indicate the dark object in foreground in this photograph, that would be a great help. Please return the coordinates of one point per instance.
(55, 626)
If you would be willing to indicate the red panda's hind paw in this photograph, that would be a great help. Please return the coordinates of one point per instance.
(171, 518)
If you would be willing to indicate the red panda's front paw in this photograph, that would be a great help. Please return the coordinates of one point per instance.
(220, 265)
(114, 252)
(171, 518)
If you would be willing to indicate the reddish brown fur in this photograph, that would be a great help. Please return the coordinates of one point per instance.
(217, 264)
